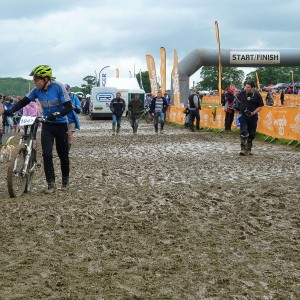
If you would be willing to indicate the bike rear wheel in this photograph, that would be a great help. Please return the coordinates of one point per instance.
(32, 165)
(16, 180)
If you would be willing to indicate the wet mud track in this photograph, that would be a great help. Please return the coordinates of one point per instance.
(173, 216)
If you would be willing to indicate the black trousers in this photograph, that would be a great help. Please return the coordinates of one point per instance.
(229, 117)
(59, 133)
(194, 114)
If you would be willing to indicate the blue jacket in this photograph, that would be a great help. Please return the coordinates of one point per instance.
(51, 99)
(72, 116)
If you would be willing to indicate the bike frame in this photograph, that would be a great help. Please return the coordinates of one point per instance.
(27, 139)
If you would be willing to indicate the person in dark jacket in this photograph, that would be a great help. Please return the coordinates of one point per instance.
(194, 107)
(135, 108)
(158, 108)
(282, 97)
(251, 104)
(117, 106)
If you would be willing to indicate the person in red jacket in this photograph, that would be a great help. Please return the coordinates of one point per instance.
(229, 110)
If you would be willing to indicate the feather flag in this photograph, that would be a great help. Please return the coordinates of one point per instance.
(175, 80)
(152, 74)
(163, 75)
(257, 81)
(220, 63)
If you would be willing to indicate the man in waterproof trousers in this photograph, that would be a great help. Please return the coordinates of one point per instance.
(251, 104)
(194, 106)
(135, 108)
(117, 106)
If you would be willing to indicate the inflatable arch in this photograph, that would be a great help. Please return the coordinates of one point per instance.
(233, 58)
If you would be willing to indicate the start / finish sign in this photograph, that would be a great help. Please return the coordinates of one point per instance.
(254, 57)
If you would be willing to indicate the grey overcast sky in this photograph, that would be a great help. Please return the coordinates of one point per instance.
(78, 37)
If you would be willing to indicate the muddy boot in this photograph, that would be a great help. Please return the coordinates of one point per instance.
(162, 128)
(156, 129)
(243, 146)
(118, 130)
(65, 183)
(51, 188)
(197, 126)
(135, 128)
(249, 147)
(114, 130)
(192, 127)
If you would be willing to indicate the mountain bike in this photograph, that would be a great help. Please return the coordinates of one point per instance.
(23, 163)
(147, 115)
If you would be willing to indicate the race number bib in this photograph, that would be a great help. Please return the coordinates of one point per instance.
(26, 120)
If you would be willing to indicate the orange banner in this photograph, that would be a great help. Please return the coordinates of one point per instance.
(163, 74)
(278, 122)
(175, 80)
(152, 74)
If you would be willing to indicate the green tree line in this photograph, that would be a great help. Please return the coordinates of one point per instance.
(20, 87)
(266, 75)
(15, 86)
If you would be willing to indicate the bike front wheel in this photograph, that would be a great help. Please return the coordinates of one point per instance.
(32, 165)
(16, 179)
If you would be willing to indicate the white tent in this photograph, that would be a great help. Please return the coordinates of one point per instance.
(124, 84)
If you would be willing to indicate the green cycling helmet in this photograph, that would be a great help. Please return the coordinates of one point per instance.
(41, 71)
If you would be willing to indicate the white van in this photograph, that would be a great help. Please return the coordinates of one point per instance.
(100, 101)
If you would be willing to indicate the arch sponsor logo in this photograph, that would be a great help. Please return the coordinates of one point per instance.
(254, 57)
(104, 96)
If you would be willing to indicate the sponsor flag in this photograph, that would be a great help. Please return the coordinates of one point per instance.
(257, 81)
(163, 75)
(141, 81)
(220, 63)
(152, 74)
(175, 80)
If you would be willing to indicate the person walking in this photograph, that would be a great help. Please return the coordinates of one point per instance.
(194, 106)
(282, 97)
(117, 107)
(251, 103)
(158, 109)
(135, 108)
(73, 120)
(86, 107)
(56, 104)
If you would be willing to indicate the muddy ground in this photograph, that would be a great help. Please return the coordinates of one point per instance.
(173, 216)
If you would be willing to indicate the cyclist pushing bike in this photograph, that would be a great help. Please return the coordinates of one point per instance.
(56, 104)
